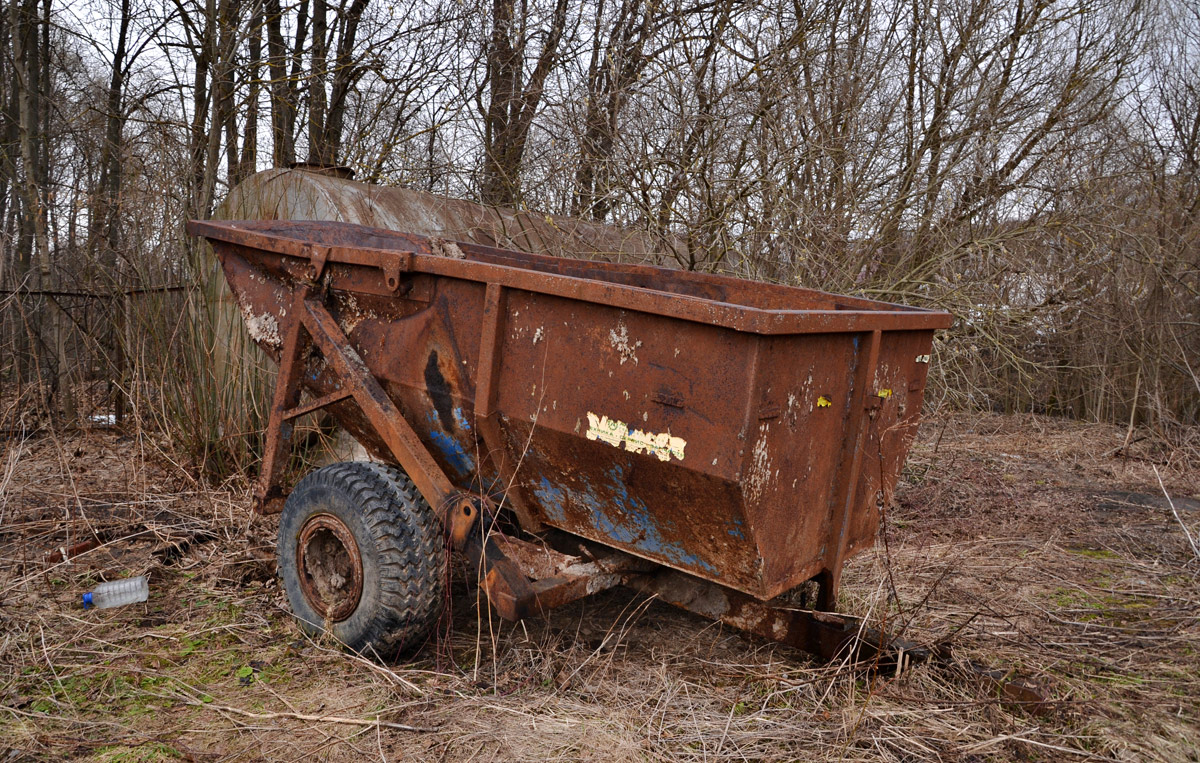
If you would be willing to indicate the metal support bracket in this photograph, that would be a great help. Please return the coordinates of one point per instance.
(486, 423)
(858, 420)
(268, 498)
(824, 634)
(508, 589)
(312, 324)
(317, 257)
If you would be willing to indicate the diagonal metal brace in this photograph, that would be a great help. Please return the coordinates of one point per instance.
(383, 414)
(507, 588)
(313, 325)
(268, 497)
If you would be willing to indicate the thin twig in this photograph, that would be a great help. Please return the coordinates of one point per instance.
(1188, 533)
(305, 717)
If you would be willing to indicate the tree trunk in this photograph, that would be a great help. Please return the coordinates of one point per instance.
(614, 68)
(283, 104)
(318, 151)
(110, 201)
(204, 54)
(226, 115)
(249, 161)
(512, 106)
(344, 76)
(28, 77)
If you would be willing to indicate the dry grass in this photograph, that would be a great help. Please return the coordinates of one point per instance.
(1016, 539)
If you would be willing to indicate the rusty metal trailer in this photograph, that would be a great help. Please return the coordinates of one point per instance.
(571, 426)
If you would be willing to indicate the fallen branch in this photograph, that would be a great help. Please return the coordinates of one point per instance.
(98, 539)
(306, 717)
(1179, 519)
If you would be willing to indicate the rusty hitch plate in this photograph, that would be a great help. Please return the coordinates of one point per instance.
(507, 588)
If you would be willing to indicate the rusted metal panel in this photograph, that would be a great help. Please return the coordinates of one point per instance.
(730, 430)
(625, 426)
(799, 420)
(309, 192)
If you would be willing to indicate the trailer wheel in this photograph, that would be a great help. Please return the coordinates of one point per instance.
(362, 557)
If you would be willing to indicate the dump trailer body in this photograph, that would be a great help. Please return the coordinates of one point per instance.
(736, 431)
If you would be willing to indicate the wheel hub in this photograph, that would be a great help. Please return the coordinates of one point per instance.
(331, 574)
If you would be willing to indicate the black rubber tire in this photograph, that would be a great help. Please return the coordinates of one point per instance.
(401, 545)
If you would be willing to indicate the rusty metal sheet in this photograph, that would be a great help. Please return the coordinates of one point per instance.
(738, 432)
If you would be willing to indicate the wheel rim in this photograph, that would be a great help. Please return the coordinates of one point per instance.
(330, 567)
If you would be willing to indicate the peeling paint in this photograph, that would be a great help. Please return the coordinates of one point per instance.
(263, 328)
(616, 433)
(455, 455)
(351, 315)
(619, 339)
(735, 529)
(759, 473)
(460, 418)
(622, 518)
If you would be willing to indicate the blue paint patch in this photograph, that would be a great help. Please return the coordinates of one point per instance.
(552, 500)
(623, 519)
(461, 420)
(456, 456)
(735, 529)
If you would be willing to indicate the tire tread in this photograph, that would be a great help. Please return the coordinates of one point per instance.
(410, 549)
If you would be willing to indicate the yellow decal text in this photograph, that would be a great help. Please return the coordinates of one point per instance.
(617, 433)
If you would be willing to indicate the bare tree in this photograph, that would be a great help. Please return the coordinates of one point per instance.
(1032, 167)
(617, 61)
(514, 95)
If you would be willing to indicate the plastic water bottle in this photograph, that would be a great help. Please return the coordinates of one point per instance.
(117, 593)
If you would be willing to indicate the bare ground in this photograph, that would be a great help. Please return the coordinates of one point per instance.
(1034, 546)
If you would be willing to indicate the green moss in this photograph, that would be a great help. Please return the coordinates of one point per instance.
(1119, 679)
(1094, 553)
(151, 751)
(1069, 598)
